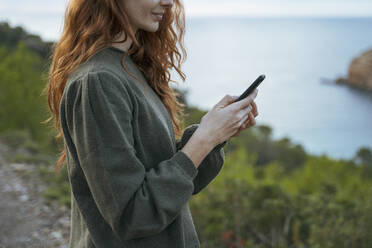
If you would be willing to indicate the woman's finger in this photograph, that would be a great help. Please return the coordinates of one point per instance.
(238, 131)
(244, 113)
(243, 120)
(244, 103)
(253, 120)
(254, 109)
(250, 121)
(247, 121)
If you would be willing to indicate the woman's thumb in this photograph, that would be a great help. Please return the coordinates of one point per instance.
(226, 100)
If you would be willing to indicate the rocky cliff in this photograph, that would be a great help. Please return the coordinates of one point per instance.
(360, 72)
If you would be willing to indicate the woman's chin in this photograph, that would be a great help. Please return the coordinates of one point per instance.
(153, 27)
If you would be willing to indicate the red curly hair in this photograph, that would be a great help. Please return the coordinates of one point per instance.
(92, 25)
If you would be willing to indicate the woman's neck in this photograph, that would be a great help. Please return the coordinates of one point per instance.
(124, 46)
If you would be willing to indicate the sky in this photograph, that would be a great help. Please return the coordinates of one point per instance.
(45, 17)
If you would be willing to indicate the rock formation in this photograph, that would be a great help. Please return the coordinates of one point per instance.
(360, 72)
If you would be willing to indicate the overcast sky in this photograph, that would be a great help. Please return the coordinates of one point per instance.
(45, 17)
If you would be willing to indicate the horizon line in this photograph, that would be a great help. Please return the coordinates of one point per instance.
(48, 38)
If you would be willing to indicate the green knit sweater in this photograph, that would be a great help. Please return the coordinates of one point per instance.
(130, 182)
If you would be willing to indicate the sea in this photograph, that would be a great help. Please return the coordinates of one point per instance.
(301, 58)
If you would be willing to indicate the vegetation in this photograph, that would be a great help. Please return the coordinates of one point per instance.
(10, 37)
(323, 203)
(270, 193)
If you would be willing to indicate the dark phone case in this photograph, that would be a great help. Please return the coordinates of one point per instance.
(251, 88)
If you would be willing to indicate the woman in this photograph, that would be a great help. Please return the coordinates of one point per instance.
(130, 175)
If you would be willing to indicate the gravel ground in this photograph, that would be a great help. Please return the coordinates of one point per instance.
(25, 219)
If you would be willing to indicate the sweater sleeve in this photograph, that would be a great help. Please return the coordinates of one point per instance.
(135, 203)
(210, 166)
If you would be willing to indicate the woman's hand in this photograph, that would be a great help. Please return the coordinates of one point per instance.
(249, 119)
(228, 118)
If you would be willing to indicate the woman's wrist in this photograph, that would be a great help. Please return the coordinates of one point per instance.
(198, 147)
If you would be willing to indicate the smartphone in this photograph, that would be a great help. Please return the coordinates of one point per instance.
(251, 88)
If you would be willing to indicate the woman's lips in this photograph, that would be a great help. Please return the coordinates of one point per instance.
(158, 17)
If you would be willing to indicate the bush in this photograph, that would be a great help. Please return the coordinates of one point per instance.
(324, 203)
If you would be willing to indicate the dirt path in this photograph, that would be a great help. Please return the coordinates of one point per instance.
(25, 219)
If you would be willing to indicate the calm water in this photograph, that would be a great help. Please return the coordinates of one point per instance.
(226, 55)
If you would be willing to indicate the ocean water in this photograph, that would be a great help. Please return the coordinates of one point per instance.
(297, 56)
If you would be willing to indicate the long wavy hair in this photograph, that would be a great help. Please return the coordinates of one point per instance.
(92, 25)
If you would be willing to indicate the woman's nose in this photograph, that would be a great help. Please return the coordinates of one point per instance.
(166, 3)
